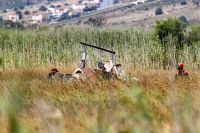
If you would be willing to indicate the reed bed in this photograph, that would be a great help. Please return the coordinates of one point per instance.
(29, 102)
(135, 48)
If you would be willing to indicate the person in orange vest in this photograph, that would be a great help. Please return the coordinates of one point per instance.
(56, 75)
(181, 71)
(53, 73)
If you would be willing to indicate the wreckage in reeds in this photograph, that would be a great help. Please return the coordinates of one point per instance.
(108, 70)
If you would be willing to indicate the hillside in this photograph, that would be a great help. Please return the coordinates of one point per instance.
(141, 15)
(7, 4)
(145, 15)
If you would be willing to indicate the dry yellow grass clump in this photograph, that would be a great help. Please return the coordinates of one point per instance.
(159, 103)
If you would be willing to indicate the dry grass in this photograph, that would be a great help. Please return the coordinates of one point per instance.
(158, 104)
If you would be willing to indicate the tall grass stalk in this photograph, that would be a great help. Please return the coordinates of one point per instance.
(137, 48)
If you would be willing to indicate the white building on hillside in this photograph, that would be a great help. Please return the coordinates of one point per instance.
(78, 7)
(90, 1)
(136, 2)
(56, 12)
(106, 4)
(12, 17)
(37, 18)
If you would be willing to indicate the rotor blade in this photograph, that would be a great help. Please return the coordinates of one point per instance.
(97, 47)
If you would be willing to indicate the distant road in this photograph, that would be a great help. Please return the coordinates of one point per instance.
(91, 14)
(107, 11)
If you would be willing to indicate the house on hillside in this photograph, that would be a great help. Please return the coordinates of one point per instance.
(11, 17)
(57, 14)
(90, 9)
(137, 2)
(36, 19)
(51, 10)
(106, 4)
(56, 11)
(116, 1)
(88, 2)
(73, 14)
(78, 7)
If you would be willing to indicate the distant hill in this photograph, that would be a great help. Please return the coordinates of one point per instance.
(8, 4)
(142, 15)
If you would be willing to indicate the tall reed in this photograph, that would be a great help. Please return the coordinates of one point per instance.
(136, 48)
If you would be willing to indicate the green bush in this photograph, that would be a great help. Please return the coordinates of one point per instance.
(183, 2)
(15, 9)
(10, 24)
(183, 19)
(96, 21)
(194, 34)
(20, 14)
(170, 27)
(42, 8)
(27, 12)
(158, 11)
(5, 11)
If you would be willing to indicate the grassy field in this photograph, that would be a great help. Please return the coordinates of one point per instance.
(135, 48)
(29, 102)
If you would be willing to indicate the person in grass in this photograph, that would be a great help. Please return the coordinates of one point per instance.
(181, 71)
(56, 75)
(53, 73)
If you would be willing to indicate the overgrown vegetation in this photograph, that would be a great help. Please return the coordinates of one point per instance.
(159, 11)
(11, 25)
(27, 12)
(184, 20)
(98, 21)
(194, 34)
(170, 27)
(42, 8)
(19, 13)
(183, 2)
(157, 105)
(136, 48)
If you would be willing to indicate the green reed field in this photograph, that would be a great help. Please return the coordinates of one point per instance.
(138, 48)
(29, 102)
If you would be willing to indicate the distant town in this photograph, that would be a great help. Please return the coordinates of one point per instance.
(53, 12)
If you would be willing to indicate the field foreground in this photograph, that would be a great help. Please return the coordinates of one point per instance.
(159, 103)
